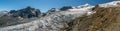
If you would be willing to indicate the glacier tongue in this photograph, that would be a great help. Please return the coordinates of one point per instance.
(52, 22)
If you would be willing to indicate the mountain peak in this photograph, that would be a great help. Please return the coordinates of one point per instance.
(27, 12)
(28, 7)
(83, 6)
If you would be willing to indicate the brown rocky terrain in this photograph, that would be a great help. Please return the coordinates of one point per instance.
(105, 19)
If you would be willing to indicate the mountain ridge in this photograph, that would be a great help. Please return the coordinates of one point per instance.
(58, 21)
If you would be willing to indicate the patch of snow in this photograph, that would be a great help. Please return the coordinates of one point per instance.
(83, 9)
(110, 4)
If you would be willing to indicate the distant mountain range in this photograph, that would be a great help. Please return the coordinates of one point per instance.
(31, 19)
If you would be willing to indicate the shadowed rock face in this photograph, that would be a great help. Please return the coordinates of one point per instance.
(66, 8)
(25, 13)
(105, 19)
(19, 16)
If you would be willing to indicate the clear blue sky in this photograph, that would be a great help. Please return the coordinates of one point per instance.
(45, 5)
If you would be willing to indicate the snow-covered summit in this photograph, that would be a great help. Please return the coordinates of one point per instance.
(83, 6)
(110, 4)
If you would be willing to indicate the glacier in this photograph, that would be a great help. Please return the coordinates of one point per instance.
(52, 22)
(58, 20)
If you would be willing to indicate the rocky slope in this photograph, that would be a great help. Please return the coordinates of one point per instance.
(102, 17)
(106, 18)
